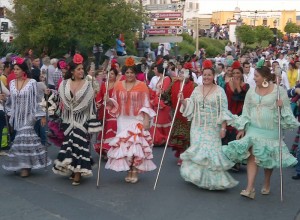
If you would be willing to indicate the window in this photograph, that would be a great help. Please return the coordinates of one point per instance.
(252, 22)
(289, 20)
(265, 22)
(197, 6)
(4, 27)
(190, 5)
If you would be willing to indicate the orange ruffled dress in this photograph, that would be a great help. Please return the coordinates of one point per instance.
(132, 145)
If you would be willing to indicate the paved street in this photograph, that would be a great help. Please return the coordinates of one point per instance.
(50, 197)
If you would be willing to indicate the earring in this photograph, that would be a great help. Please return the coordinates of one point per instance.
(24, 77)
(265, 83)
(72, 77)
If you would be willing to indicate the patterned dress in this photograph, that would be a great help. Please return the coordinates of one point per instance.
(74, 155)
(26, 150)
(203, 162)
(260, 121)
(132, 146)
(180, 135)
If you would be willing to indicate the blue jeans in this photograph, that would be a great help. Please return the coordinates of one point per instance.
(40, 131)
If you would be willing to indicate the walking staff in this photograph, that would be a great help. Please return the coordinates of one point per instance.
(47, 114)
(103, 123)
(186, 76)
(278, 75)
(165, 65)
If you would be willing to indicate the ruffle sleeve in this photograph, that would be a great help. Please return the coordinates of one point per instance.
(188, 110)
(225, 114)
(148, 111)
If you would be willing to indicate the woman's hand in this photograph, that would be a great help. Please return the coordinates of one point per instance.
(43, 121)
(98, 105)
(146, 124)
(222, 133)
(279, 103)
(240, 134)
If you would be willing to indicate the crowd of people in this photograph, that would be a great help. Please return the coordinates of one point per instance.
(227, 114)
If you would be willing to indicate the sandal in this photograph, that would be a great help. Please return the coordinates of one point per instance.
(134, 177)
(76, 179)
(128, 177)
(250, 195)
(25, 173)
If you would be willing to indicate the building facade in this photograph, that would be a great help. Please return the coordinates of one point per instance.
(270, 19)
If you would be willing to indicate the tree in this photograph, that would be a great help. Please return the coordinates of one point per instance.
(263, 33)
(245, 34)
(59, 25)
(291, 28)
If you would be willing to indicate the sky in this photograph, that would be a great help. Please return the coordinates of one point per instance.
(207, 6)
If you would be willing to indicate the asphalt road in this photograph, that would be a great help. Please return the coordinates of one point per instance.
(45, 196)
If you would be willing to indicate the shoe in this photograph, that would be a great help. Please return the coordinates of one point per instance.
(134, 177)
(2, 153)
(75, 183)
(25, 173)
(264, 191)
(250, 195)
(179, 162)
(128, 177)
(296, 177)
(236, 168)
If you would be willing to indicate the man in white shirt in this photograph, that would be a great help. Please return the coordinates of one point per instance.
(284, 80)
(154, 80)
(248, 74)
(282, 61)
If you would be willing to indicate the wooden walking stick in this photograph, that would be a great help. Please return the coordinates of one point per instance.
(6, 118)
(165, 65)
(103, 123)
(186, 75)
(278, 75)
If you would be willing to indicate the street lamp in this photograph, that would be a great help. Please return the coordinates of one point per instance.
(255, 17)
(239, 21)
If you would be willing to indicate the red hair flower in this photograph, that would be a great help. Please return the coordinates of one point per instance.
(62, 64)
(236, 65)
(129, 62)
(19, 60)
(188, 66)
(77, 59)
(207, 64)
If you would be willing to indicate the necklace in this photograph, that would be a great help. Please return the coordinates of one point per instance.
(204, 96)
(20, 88)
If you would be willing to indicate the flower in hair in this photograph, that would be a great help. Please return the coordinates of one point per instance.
(77, 59)
(260, 63)
(62, 64)
(236, 65)
(129, 62)
(207, 64)
(188, 66)
(18, 60)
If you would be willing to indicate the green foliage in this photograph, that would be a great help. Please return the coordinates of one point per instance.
(291, 28)
(263, 33)
(59, 25)
(279, 34)
(245, 34)
(6, 48)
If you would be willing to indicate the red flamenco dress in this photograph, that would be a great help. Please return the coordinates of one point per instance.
(235, 106)
(180, 135)
(164, 114)
(110, 125)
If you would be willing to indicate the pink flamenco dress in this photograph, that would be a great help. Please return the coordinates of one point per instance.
(164, 119)
(132, 146)
(110, 125)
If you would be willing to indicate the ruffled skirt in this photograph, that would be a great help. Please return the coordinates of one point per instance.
(131, 147)
(74, 155)
(26, 152)
(203, 163)
(266, 152)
